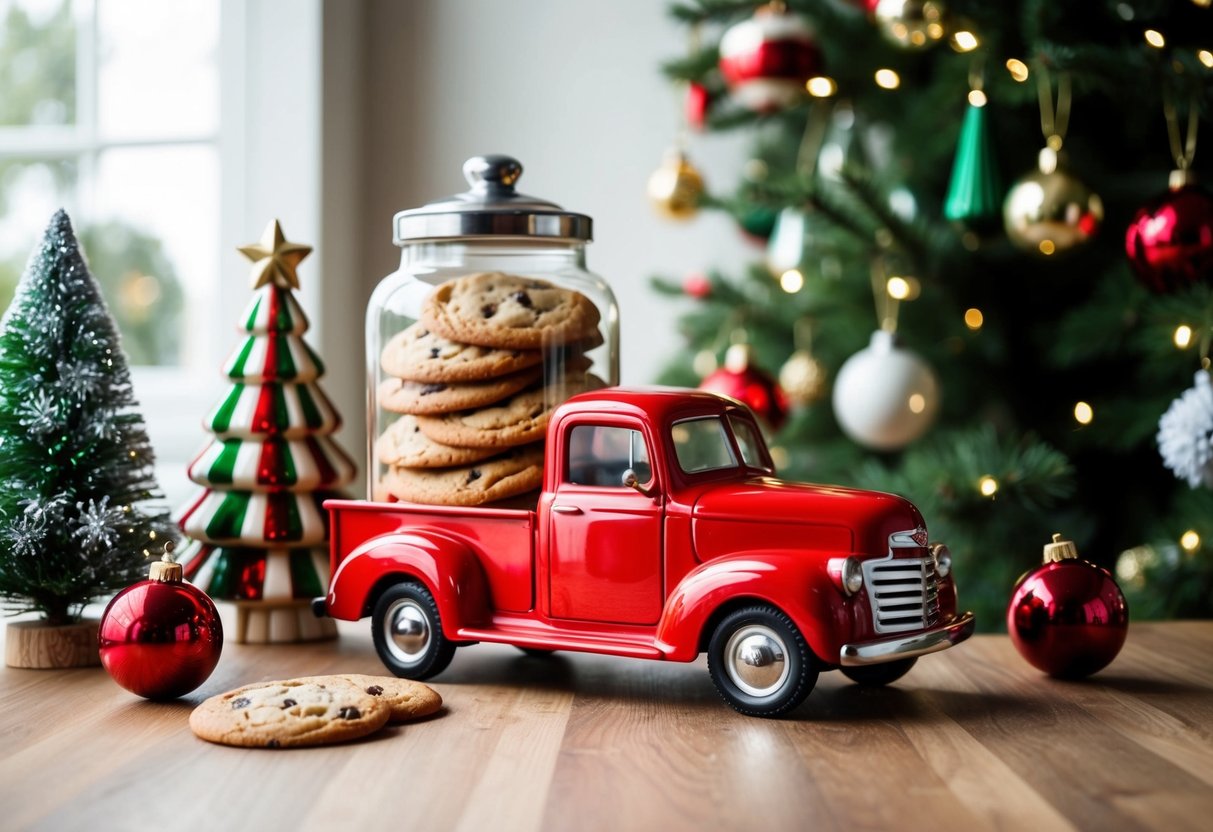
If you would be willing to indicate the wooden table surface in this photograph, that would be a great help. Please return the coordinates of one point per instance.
(972, 738)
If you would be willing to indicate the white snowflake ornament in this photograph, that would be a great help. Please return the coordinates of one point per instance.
(1185, 434)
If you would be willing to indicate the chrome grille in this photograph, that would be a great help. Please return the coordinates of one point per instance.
(903, 592)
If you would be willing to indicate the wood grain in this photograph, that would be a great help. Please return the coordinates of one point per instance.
(972, 738)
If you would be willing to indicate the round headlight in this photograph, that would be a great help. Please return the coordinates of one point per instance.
(943, 560)
(852, 575)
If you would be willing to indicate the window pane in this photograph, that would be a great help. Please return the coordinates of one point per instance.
(750, 442)
(156, 74)
(30, 193)
(37, 62)
(157, 212)
(600, 455)
(702, 445)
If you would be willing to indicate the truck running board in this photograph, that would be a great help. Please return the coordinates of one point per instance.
(551, 639)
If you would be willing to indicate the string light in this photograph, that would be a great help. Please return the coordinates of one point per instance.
(1183, 336)
(1083, 413)
(887, 79)
(964, 41)
(1206, 57)
(1046, 247)
(974, 319)
(917, 402)
(977, 98)
(821, 86)
(988, 486)
(1190, 541)
(1155, 38)
(898, 288)
(791, 281)
(1018, 69)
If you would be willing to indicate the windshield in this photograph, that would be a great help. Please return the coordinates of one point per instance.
(750, 442)
(702, 445)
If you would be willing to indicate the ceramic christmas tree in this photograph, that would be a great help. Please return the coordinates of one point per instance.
(259, 523)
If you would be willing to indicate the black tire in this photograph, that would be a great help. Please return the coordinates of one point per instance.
(877, 675)
(762, 633)
(407, 632)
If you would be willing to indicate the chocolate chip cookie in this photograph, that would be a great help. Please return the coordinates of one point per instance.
(516, 472)
(506, 311)
(400, 396)
(408, 700)
(419, 354)
(404, 444)
(290, 714)
(520, 419)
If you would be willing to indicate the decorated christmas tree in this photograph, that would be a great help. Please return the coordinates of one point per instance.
(75, 462)
(258, 522)
(999, 354)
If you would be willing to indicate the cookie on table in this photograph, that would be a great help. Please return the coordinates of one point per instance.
(515, 472)
(407, 699)
(404, 444)
(400, 396)
(419, 354)
(493, 309)
(520, 419)
(290, 714)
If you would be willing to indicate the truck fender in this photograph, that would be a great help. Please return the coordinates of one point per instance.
(795, 583)
(448, 568)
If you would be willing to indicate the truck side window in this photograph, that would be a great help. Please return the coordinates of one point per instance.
(598, 455)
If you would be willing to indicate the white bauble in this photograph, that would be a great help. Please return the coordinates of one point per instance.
(885, 396)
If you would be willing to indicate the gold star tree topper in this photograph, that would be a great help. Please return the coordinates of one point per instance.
(275, 259)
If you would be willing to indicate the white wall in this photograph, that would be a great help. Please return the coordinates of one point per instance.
(574, 91)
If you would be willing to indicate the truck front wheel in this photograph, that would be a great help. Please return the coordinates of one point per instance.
(408, 632)
(760, 662)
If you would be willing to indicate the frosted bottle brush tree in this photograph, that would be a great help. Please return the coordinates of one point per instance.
(75, 461)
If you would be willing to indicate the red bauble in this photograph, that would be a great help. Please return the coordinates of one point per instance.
(161, 638)
(753, 387)
(697, 104)
(767, 59)
(1067, 617)
(1170, 241)
(697, 285)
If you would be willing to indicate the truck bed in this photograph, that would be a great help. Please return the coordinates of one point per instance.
(504, 539)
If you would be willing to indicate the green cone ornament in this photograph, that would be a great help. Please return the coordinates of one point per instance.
(975, 190)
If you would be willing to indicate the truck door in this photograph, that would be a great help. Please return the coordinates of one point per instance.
(605, 548)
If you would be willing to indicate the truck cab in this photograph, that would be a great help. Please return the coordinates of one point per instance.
(661, 532)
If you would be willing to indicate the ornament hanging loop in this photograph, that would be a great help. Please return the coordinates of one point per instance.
(1184, 152)
(1054, 120)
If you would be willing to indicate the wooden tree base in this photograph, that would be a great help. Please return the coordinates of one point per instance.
(280, 622)
(35, 644)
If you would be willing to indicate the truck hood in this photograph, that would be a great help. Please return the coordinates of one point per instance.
(805, 511)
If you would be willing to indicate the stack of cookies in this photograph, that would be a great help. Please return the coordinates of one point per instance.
(475, 381)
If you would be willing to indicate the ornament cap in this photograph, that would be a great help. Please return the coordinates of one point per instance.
(166, 570)
(1059, 550)
(1181, 178)
(1048, 160)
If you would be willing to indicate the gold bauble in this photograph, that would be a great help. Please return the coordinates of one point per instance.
(676, 187)
(1051, 211)
(802, 378)
(912, 24)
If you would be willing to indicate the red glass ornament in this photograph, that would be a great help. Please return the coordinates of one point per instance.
(161, 638)
(697, 285)
(1170, 241)
(766, 60)
(697, 103)
(1067, 617)
(753, 387)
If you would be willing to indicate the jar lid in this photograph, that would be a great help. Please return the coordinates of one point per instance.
(492, 208)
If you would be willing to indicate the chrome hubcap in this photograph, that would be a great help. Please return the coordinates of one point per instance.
(407, 630)
(755, 658)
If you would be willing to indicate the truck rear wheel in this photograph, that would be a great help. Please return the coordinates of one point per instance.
(760, 662)
(407, 632)
(875, 675)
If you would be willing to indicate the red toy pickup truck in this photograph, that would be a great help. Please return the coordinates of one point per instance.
(661, 532)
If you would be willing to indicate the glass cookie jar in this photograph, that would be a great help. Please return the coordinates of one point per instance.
(491, 321)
